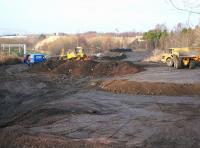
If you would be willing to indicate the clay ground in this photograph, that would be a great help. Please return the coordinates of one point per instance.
(54, 110)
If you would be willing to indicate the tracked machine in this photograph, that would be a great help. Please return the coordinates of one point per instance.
(74, 54)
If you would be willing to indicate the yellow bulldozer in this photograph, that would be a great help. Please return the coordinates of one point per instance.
(77, 54)
(181, 57)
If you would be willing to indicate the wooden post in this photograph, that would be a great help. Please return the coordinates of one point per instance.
(19, 48)
(24, 49)
(9, 48)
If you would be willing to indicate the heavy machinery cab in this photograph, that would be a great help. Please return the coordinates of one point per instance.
(79, 49)
(77, 53)
(167, 55)
(80, 53)
(169, 51)
(179, 57)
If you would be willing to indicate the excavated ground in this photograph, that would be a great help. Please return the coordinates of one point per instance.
(7, 60)
(150, 88)
(59, 104)
(86, 68)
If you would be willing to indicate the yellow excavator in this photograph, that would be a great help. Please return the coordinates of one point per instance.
(77, 54)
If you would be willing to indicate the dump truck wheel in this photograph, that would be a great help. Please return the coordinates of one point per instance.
(170, 62)
(177, 62)
(192, 64)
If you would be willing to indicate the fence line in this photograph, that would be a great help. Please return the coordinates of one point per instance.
(8, 47)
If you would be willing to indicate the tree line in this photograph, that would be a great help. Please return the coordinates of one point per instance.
(180, 36)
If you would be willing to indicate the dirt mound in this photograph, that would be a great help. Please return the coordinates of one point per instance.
(146, 88)
(115, 69)
(47, 66)
(8, 60)
(39, 68)
(76, 68)
(86, 68)
(54, 62)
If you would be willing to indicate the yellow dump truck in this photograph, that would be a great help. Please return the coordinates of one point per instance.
(181, 57)
(77, 53)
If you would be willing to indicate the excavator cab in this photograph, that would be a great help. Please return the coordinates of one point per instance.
(77, 53)
(80, 53)
(71, 54)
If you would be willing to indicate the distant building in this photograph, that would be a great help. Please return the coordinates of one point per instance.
(59, 34)
(139, 38)
(13, 36)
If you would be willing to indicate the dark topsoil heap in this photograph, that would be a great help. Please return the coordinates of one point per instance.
(86, 68)
(150, 88)
(8, 60)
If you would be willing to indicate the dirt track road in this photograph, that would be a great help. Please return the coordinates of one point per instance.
(161, 73)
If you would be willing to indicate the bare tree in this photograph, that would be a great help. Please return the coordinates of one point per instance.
(192, 7)
(188, 6)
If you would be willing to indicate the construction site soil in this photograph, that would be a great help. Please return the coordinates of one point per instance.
(7, 60)
(99, 104)
(86, 68)
(149, 88)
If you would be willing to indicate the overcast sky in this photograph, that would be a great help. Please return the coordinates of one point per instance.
(72, 16)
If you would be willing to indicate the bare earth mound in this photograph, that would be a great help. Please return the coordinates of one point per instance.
(76, 68)
(7, 60)
(47, 66)
(86, 68)
(146, 88)
(115, 69)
